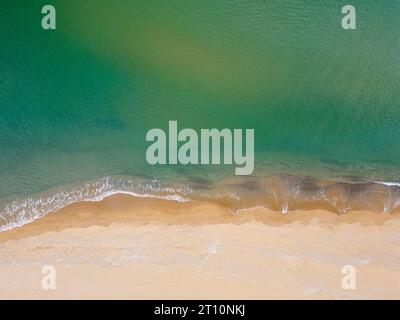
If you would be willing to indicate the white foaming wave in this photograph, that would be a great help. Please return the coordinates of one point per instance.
(170, 197)
(388, 183)
(21, 212)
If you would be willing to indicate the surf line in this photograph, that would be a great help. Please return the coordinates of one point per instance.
(183, 147)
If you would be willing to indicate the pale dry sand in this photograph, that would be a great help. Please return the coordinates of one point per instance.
(136, 248)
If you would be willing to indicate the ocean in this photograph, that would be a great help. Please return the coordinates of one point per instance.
(76, 102)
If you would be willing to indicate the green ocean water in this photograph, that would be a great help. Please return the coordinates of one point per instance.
(76, 102)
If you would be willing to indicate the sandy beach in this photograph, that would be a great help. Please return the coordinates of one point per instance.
(138, 248)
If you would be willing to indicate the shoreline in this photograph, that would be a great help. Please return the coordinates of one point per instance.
(136, 248)
(125, 208)
(284, 194)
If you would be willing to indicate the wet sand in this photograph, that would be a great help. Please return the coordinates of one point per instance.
(138, 248)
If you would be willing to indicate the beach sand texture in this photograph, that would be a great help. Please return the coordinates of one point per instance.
(125, 247)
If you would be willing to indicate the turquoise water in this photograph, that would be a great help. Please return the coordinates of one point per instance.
(76, 102)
